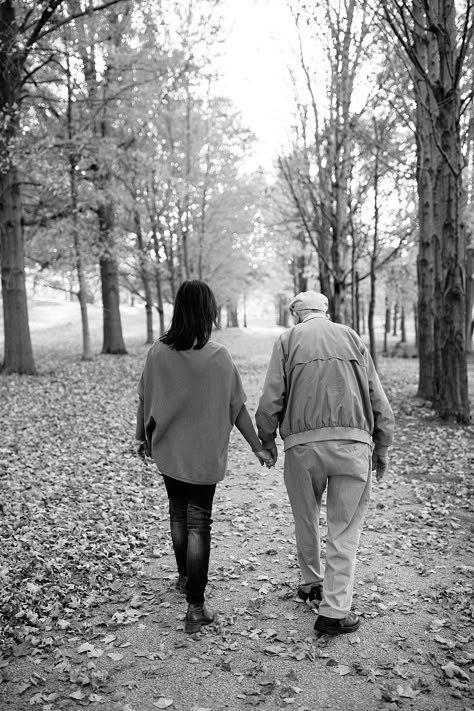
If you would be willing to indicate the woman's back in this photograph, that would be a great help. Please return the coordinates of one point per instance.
(191, 399)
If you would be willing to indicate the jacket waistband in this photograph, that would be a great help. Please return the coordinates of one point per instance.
(327, 433)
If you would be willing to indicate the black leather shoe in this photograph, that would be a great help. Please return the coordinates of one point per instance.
(328, 625)
(315, 593)
(180, 584)
(196, 616)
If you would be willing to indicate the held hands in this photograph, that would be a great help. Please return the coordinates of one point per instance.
(264, 457)
(380, 466)
(267, 456)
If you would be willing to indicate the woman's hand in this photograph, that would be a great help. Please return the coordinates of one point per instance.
(265, 457)
(143, 450)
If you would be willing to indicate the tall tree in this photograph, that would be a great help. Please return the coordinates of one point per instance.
(101, 51)
(23, 26)
(436, 48)
(318, 172)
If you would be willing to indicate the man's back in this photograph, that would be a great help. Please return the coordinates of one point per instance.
(330, 387)
(317, 338)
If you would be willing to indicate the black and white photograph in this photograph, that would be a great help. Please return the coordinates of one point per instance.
(237, 355)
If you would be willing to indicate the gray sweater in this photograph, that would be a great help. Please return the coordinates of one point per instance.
(188, 404)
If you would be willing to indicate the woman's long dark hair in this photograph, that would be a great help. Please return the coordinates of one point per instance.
(195, 312)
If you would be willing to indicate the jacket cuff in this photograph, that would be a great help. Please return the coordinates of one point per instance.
(381, 451)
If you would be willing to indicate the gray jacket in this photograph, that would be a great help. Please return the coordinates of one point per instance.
(321, 384)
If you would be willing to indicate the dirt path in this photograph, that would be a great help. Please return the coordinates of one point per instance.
(125, 649)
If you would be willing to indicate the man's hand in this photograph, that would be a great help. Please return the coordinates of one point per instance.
(271, 455)
(264, 457)
(143, 450)
(380, 465)
(274, 453)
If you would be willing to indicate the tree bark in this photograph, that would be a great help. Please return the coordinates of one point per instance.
(469, 297)
(18, 356)
(76, 234)
(395, 318)
(81, 275)
(144, 275)
(113, 342)
(282, 310)
(450, 287)
(403, 334)
(159, 288)
(232, 315)
(362, 316)
(437, 51)
(386, 327)
(98, 106)
(425, 52)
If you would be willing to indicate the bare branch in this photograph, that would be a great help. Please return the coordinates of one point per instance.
(78, 15)
(46, 15)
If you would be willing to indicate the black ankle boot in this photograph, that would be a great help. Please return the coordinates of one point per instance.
(180, 584)
(196, 616)
(315, 593)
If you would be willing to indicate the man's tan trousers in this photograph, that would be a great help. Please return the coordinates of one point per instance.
(344, 468)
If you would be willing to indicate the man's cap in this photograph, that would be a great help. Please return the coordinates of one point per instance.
(309, 300)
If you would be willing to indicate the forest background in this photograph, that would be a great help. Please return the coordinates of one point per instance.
(126, 167)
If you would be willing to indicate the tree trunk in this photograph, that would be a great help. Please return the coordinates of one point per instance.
(159, 290)
(469, 297)
(437, 54)
(357, 303)
(450, 286)
(395, 319)
(415, 321)
(282, 311)
(371, 313)
(403, 334)
(98, 104)
(375, 247)
(185, 218)
(325, 284)
(18, 356)
(386, 327)
(112, 325)
(362, 316)
(144, 275)
(354, 286)
(232, 315)
(425, 51)
(300, 280)
(77, 242)
(81, 278)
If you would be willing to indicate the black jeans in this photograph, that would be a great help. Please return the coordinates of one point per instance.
(190, 524)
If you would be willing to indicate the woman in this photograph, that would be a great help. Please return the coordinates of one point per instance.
(190, 396)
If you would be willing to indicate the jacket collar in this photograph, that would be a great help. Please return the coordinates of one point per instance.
(311, 316)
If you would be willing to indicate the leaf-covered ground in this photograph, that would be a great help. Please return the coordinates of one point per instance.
(88, 611)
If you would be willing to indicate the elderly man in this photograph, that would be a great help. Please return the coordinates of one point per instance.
(323, 392)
